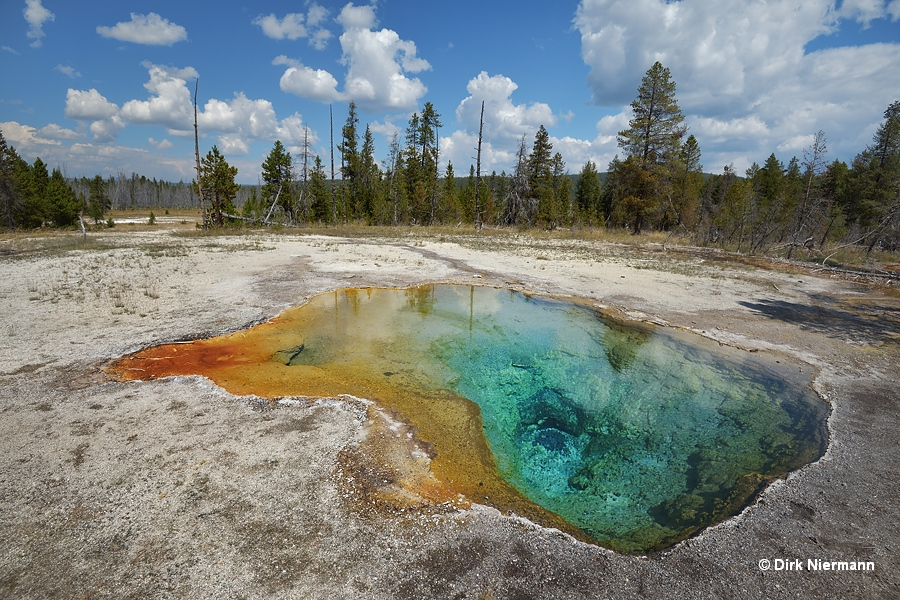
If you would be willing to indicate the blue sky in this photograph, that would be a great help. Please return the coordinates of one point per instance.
(106, 86)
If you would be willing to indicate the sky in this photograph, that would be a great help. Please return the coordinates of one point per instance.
(106, 86)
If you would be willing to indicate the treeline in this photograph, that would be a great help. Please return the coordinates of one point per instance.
(33, 196)
(137, 192)
(806, 203)
(657, 184)
(408, 188)
(810, 202)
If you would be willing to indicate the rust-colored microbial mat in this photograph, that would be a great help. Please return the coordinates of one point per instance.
(331, 347)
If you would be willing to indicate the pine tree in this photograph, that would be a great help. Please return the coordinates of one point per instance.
(34, 208)
(877, 183)
(562, 192)
(793, 197)
(687, 181)
(708, 229)
(588, 195)
(219, 188)
(320, 196)
(612, 191)
(278, 175)
(350, 163)
(63, 202)
(498, 190)
(393, 178)
(652, 144)
(735, 216)
(413, 176)
(98, 203)
(654, 132)
(449, 195)
(369, 178)
(429, 123)
(467, 197)
(540, 169)
(10, 186)
(540, 179)
(769, 187)
(251, 207)
(834, 191)
(886, 146)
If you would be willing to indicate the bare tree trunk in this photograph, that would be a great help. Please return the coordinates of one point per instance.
(343, 199)
(303, 196)
(272, 208)
(478, 172)
(434, 185)
(333, 196)
(395, 164)
(197, 155)
(814, 162)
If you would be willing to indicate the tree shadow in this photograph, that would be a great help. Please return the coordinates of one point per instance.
(862, 323)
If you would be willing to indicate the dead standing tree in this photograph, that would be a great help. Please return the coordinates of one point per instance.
(519, 201)
(333, 196)
(478, 223)
(197, 155)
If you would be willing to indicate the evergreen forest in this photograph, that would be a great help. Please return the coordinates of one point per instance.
(656, 183)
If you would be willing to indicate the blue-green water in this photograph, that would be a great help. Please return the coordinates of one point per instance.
(637, 435)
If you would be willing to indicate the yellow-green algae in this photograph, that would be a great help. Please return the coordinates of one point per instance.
(637, 436)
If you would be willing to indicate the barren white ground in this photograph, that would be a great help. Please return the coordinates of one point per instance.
(175, 488)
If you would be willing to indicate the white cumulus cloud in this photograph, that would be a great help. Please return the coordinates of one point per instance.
(23, 135)
(237, 122)
(357, 17)
(149, 29)
(88, 105)
(459, 148)
(742, 71)
(170, 104)
(316, 15)
(292, 130)
(36, 15)
(314, 84)
(106, 130)
(242, 121)
(292, 27)
(379, 65)
(92, 106)
(232, 144)
(55, 132)
(505, 123)
(502, 118)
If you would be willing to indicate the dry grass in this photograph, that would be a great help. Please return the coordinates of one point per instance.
(656, 250)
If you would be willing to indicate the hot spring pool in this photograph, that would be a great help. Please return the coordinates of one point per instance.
(637, 435)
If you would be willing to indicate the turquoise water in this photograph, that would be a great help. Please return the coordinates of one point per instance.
(637, 435)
